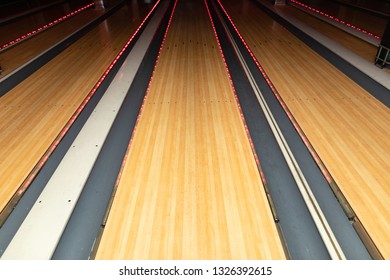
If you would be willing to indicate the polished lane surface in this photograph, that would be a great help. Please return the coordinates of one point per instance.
(190, 187)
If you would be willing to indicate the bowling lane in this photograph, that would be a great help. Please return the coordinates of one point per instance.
(350, 42)
(21, 53)
(34, 112)
(360, 18)
(346, 125)
(190, 187)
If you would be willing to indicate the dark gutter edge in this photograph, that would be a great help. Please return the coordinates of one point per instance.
(13, 79)
(366, 239)
(355, 221)
(373, 87)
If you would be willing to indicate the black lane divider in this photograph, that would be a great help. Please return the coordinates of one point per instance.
(35, 64)
(366, 82)
(299, 232)
(85, 223)
(19, 212)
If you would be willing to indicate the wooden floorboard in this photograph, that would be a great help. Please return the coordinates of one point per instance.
(190, 187)
(348, 127)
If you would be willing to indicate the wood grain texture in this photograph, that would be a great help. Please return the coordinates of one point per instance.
(34, 112)
(348, 127)
(190, 188)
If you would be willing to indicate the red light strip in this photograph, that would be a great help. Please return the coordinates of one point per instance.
(143, 102)
(335, 19)
(237, 101)
(67, 126)
(44, 27)
(314, 154)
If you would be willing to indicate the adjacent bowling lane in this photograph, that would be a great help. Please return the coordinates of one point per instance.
(346, 125)
(21, 53)
(34, 112)
(349, 41)
(371, 22)
(20, 26)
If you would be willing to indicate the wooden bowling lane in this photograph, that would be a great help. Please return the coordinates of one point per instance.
(34, 112)
(350, 42)
(348, 128)
(21, 26)
(190, 187)
(19, 54)
(369, 22)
